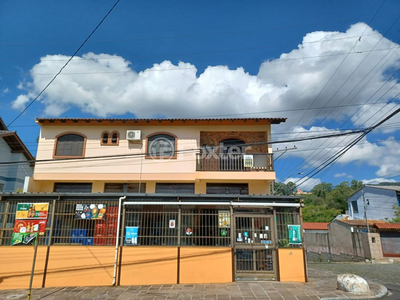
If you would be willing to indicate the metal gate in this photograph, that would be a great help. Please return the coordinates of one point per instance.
(390, 241)
(255, 247)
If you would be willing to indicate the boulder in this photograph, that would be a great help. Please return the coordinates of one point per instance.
(352, 283)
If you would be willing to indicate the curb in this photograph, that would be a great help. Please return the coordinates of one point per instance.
(381, 293)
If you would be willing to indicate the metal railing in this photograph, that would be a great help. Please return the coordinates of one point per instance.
(234, 162)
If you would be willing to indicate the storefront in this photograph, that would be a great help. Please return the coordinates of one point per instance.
(162, 239)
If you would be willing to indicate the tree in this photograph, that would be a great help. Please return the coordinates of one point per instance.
(320, 190)
(356, 185)
(319, 213)
(396, 209)
(283, 189)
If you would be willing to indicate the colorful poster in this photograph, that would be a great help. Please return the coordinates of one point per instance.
(224, 219)
(32, 211)
(294, 234)
(90, 211)
(25, 231)
(131, 236)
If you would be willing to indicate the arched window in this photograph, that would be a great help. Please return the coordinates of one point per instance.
(70, 145)
(104, 137)
(109, 139)
(115, 138)
(161, 145)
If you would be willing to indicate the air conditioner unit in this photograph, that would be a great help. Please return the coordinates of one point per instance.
(133, 135)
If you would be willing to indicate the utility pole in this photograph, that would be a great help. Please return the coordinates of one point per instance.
(366, 203)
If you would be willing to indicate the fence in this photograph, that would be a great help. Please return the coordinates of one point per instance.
(158, 225)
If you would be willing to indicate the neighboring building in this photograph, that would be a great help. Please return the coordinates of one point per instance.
(193, 197)
(347, 240)
(12, 149)
(381, 200)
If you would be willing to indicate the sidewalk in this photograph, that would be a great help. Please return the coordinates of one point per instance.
(322, 285)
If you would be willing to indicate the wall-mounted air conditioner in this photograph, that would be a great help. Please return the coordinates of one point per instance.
(133, 135)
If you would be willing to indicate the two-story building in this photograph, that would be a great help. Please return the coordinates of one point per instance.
(182, 200)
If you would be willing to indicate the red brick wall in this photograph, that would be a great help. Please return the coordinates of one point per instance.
(213, 138)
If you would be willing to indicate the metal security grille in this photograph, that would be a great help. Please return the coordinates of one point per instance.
(254, 260)
(285, 217)
(205, 227)
(254, 230)
(157, 225)
(71, 231)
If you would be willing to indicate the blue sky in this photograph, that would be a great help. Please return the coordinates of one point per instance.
(207, 58)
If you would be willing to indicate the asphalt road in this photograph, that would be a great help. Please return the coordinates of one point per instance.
(386, 274)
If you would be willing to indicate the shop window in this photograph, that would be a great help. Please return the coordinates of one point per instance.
(228, 188)
(70, 145)
(110, 139)
(175, 188)
(125, 188)
(161, 146)
(61, 187)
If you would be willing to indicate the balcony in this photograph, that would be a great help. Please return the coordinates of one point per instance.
(235, 162)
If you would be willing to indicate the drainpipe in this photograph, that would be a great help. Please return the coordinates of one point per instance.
(117, 240)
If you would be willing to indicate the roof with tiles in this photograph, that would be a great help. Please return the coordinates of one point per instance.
(388, 225)
(315, 226)
(43, 121)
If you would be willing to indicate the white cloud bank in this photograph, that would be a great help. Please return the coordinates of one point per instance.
(105, 85)
(376, 180)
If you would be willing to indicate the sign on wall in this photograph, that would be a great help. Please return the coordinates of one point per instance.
(294, 234)
(90, 211)
(32, 211)
(224, 219)
(248, 160)
(131, 236)
(30, 221)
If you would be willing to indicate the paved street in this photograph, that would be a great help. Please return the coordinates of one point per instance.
(386, 274)
(322, 284)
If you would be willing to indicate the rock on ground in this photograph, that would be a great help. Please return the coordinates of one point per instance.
(352, 283)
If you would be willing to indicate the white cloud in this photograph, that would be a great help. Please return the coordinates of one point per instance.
(306, 183)
(376, 180)
(6, 90)
(104, 85)
(340, 175)
(113, 87)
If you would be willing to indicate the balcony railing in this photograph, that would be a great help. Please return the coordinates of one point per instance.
(235, 162)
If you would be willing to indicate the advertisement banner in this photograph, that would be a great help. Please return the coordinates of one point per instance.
(25, 231)
(294, 234)
(131, 236)
(90, 211)
(32, 211)
(224, 219)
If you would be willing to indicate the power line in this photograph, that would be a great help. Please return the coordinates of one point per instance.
(183, 151)
(62, 68)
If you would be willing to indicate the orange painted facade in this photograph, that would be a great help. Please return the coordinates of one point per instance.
(149, 265)
(205, 265)
(291, 265)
